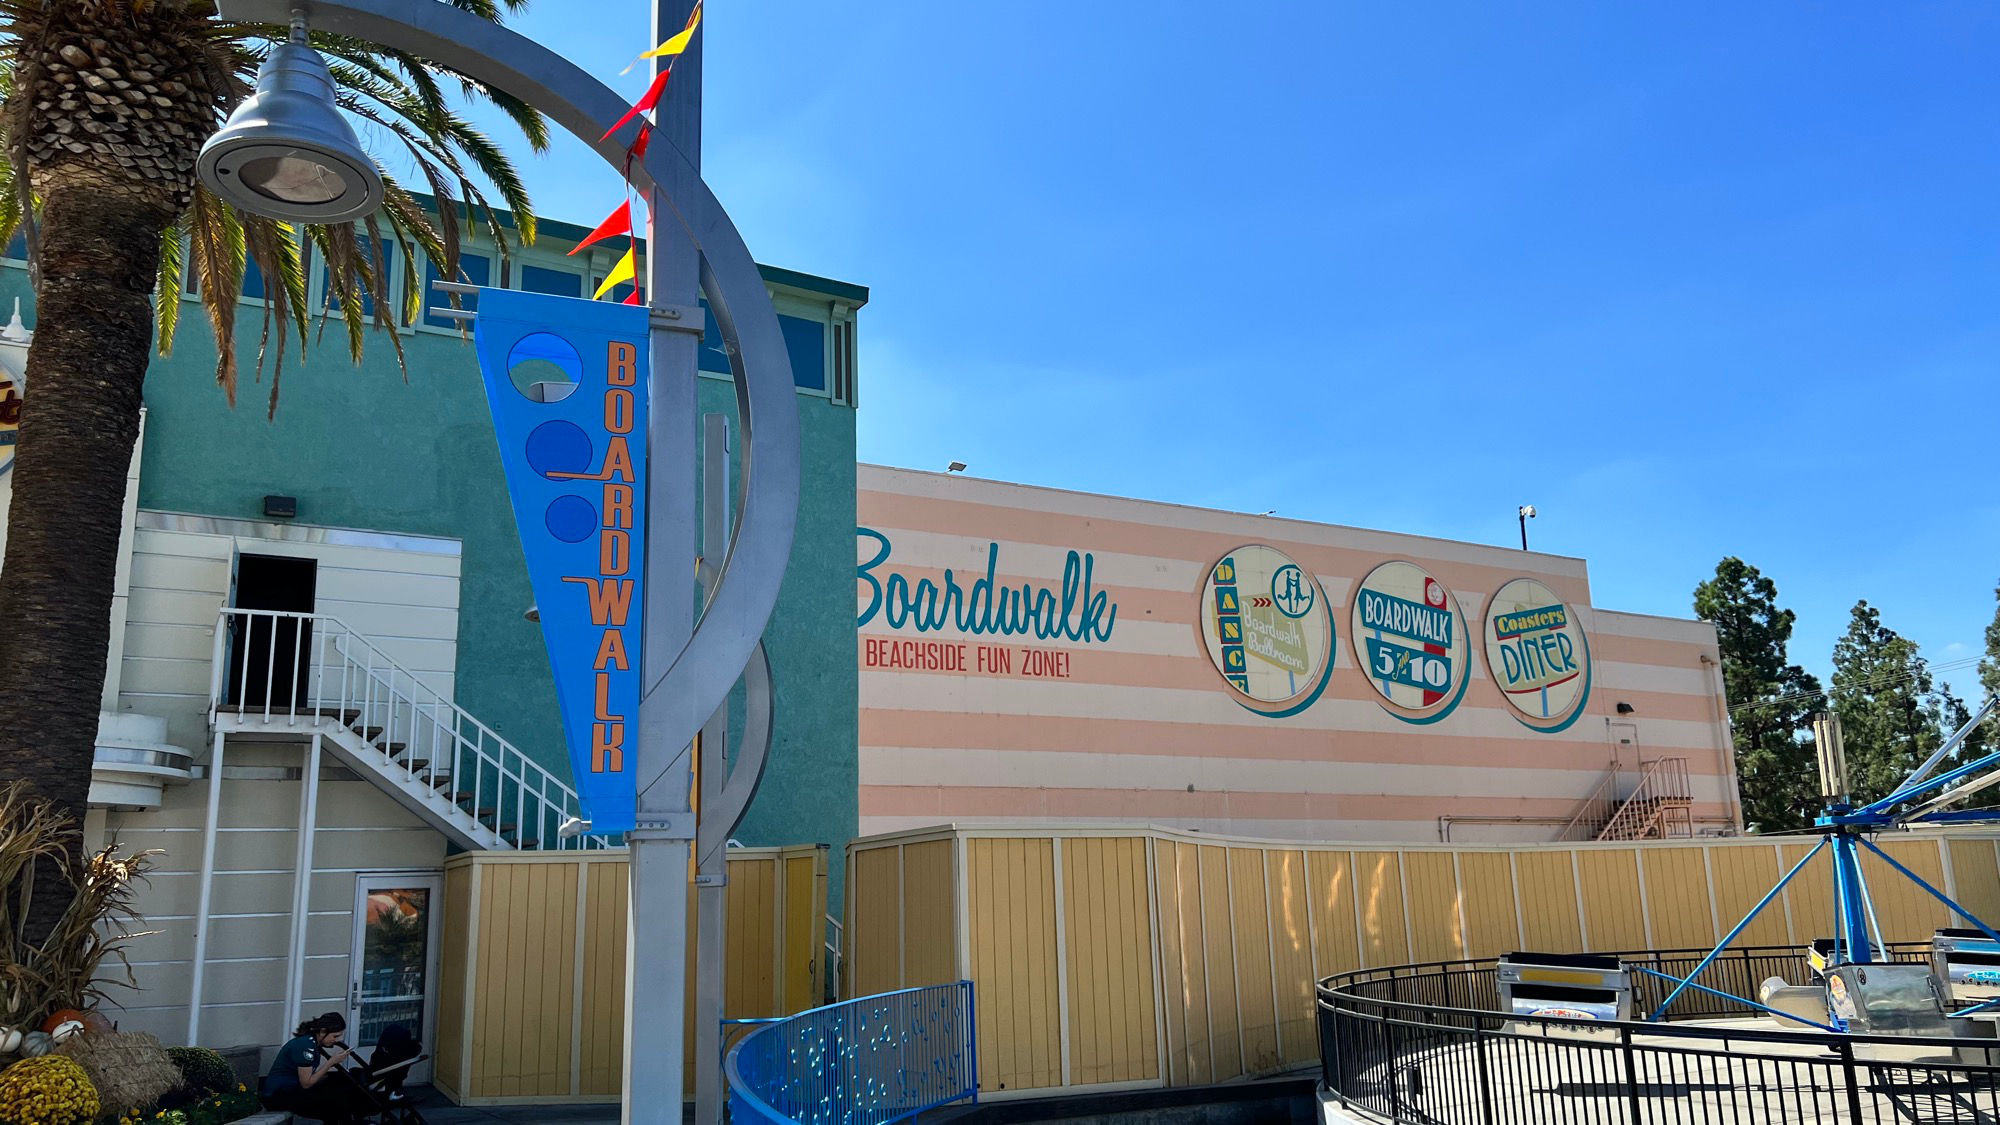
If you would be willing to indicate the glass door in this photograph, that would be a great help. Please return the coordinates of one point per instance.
(395, 961)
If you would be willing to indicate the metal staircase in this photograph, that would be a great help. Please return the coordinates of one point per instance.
(1660, 806)
(291, 676)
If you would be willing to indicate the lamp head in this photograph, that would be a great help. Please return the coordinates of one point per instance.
(287, 152)
(1527, 511)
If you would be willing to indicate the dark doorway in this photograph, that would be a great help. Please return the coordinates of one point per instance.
(270, 655)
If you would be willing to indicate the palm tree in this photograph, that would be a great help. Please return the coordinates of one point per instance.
(108, 103)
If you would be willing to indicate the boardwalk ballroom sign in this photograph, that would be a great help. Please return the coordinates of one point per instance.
(566, 379)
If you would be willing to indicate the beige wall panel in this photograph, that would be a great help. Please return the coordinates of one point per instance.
(1330, 894)
(1677, 896)
(930, 907)
(1486, 882)
(1011, 898)
(1435, 931)
(1547, 886)
(1225, 1013)
(876, 958)
(1743, 876)
(1378, 889)
(1108, 956)
(1976, 876)
(1611, 899)
(1254, 982)
(1292, 954)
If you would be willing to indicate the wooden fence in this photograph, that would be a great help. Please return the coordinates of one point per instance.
(532, 996)
(1124, 957)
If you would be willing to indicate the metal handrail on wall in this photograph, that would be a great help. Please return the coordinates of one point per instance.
(310, 668)
(1425, 1045)
(867, 1061)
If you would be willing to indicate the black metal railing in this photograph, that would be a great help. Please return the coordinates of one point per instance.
(1425, 1045)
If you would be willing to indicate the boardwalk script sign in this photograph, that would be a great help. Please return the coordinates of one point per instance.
(567, 382)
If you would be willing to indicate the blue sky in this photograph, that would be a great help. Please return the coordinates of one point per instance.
(1695, 279)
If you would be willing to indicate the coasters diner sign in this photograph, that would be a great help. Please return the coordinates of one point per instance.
(566, 380)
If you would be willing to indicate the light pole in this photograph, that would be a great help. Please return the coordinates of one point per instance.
(688, 667)
(1527, 513)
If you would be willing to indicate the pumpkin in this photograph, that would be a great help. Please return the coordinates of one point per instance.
(36, 1043)
(97, 1022)
(63, 1016)
(69, 1029)
(10, 1040)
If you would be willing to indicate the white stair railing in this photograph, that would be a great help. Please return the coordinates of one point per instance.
(307, 669)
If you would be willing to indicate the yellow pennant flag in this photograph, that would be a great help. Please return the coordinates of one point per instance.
(626, 270)
(678, 43)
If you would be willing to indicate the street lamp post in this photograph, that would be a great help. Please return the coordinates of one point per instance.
(694, 252)
(1527, 513)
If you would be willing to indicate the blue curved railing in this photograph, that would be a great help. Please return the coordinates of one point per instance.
(867, 1061)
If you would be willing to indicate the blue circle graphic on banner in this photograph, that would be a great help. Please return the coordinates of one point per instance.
(544, 367)
(571, 519)
(559, 447)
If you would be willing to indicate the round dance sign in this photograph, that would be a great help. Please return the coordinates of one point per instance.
(1265, 623)
(1409, 639)
(1537, 653)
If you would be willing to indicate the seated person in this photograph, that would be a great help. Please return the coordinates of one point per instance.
(306, 1078)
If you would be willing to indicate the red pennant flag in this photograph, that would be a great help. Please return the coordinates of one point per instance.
(645, 138)
(651, 99)
(631, 298)
(619, 222)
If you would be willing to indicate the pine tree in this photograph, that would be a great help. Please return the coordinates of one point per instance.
(1770, 700)
(1891, 713)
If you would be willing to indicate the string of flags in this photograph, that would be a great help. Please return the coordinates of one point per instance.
(620, 221)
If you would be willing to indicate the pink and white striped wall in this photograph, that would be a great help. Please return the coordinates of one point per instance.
(1106, 702)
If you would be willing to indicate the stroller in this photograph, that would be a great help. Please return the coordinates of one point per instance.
(396, 1051)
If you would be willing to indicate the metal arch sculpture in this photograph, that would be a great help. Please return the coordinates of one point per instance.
(727, 635)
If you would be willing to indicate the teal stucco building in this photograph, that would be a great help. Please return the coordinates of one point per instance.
(403, 534)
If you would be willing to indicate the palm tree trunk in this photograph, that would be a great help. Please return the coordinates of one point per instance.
(94, 330)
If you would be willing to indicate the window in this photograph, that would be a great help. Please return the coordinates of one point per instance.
(253, 278)
(843, 362)
(473, 269)
(806, 340)
(556, 283)
(18, 249)
(366, 248)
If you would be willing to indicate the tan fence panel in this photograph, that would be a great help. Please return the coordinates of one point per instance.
(1904, 910)
(1677, 898)
(1331, 896)
(1378, 902)
(1611, 904)
(1108, 954)
(1486, 891)
(1064, 948)
(1975, 873)
(532, 1005)
(1190, 1042)
(1436, 931)
(1218, 931)
(875, 952)
(1292, 954)
(1743, 876)
(1256, 1001)
(930, 909)
(1546, 882)
(1010, 887)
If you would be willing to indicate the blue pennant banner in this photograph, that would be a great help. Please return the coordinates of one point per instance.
(567, 382)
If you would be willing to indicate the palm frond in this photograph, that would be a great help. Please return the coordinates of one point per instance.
(215, 236)
(347, 273)
(274, 246)
(167, 294)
